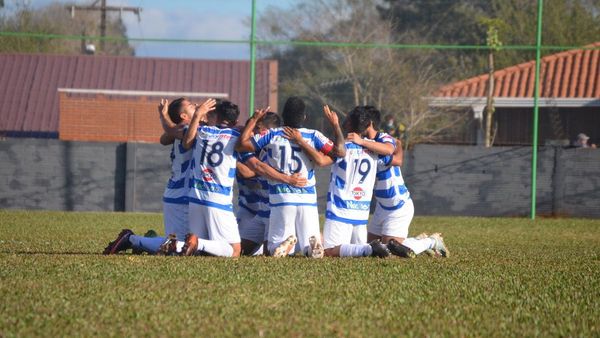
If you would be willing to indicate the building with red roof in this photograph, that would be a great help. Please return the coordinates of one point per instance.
(569, 98)
(114, 98)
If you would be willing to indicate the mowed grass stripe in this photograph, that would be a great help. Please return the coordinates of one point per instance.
(506, 276)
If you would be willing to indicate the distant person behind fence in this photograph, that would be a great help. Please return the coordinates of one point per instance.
(582, 141)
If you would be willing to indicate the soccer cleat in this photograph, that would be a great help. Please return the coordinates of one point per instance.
(169, 247)
(285, 247)
(439, 247)
(149, 233)
(429, 252)
(315, 249)
(398, 249)
(379, 249)
(120, 244)
(191, 245)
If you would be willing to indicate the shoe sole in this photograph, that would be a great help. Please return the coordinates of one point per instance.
(188, 250)
(316, 249)
(284, 248)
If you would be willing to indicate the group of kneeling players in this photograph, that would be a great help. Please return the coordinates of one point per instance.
(273, 159)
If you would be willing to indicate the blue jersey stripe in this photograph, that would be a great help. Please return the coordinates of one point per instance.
(226, 207)
(330, 215)
(395, 207)
(178, 200)
(219, 131)
(293, 203)
(288, 189)
(176, 184)
(242, 205)
(210, 187)
(350, 204)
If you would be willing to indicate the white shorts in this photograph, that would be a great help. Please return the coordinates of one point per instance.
(213, 223)
(176, 219)
(337, 233)
(393, 223)
(254, 229)
(299, 220)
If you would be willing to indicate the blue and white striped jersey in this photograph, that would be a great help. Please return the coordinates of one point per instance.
(248, 190)
(178, 187)
(390, 191)
(288, 158)
(351, 184)
(213, 167)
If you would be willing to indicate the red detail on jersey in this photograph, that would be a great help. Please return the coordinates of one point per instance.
(208, 175)
(358, 193)
(327, 148)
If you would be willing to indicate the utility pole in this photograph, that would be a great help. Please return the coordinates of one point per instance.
(103, 8)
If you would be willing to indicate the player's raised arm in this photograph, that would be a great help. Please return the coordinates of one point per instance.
(316, 156)
(339, 148)
(269, 172)
(172, 129)
(244, 143)
(379, 148)
(398, 158)
(201, 111)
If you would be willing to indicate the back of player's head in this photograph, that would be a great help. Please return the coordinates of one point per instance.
(375, 116)
(227, 112)
(175, 109)
(294, 112)
(359, 119)
(270, 120)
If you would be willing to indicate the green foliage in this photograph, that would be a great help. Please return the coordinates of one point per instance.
(506, 277)
(55, 19)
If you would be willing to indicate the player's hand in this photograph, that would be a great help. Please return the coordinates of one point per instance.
(297, 180)
(206, 106)
(292, 134)
(355, 138)
(163, 107)
(259, 113)
(331, 116)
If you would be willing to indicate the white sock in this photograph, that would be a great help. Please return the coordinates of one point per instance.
(179, 246)
(147, 244)
(215, 248)
(418, 245)
(355, 250)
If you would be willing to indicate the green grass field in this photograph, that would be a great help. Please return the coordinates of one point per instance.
(505, 277)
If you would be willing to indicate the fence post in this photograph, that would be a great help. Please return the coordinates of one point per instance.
(536, 95)
(252, 58)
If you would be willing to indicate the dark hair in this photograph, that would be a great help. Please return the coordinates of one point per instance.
(359, 119)
(175, 109)
(294, 112)
(270, 120)
(227, 111)
(375, 116)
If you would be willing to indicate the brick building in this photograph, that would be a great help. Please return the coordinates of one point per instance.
(108, 98)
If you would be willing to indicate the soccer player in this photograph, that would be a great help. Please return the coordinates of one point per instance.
(253, 198)
(175, 117)
(394, 209)
(294, 215)
(350, 191)
(212, 224)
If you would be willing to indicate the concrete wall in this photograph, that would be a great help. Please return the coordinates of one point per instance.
(443, 180)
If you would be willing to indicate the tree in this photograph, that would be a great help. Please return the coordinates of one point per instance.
(55, 19)
(343, 77)
(566, 22)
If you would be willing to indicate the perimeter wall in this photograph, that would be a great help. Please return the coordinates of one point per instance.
(443, 180)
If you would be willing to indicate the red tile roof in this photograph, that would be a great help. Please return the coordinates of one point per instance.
(30, 82)
(570, 74)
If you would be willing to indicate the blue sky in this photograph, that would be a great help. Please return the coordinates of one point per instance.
(186, 19)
